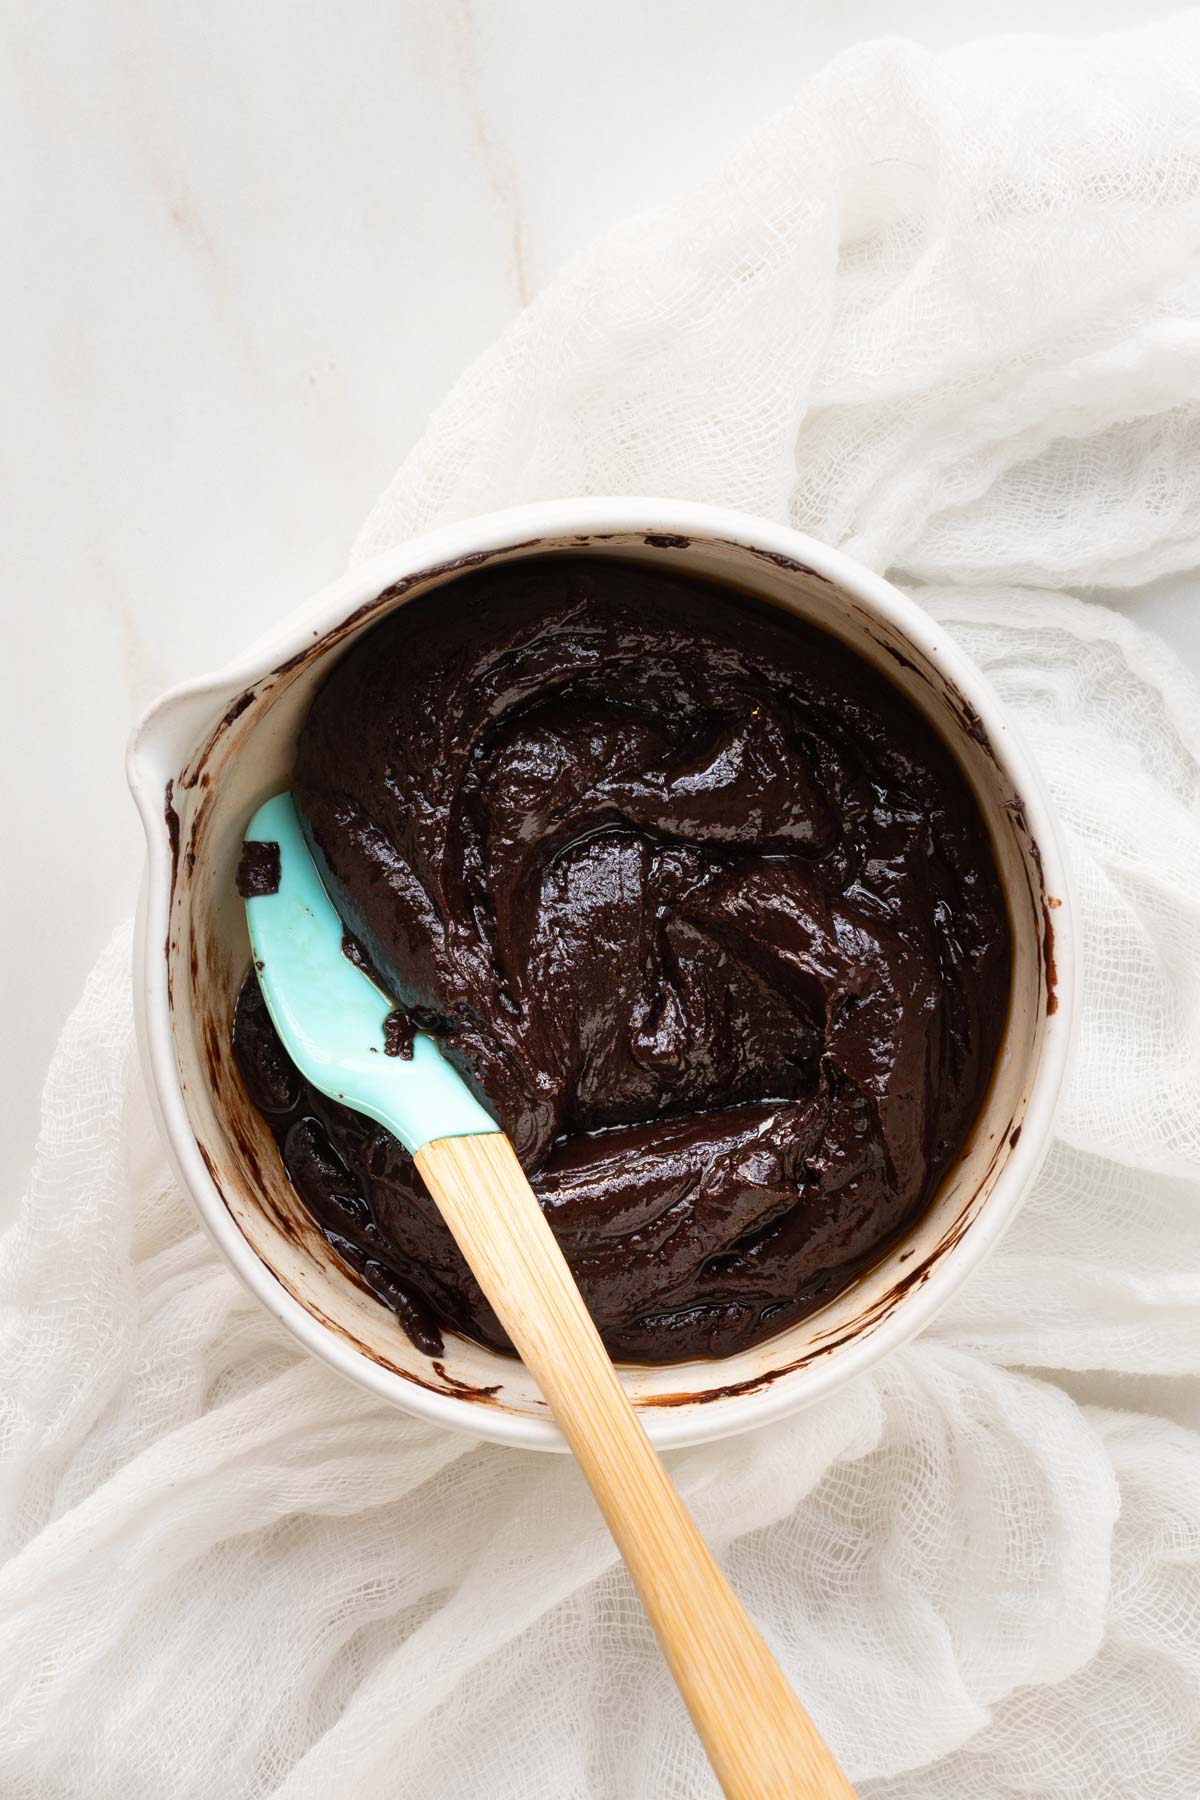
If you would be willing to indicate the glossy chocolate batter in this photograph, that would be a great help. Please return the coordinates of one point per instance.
(700, 907)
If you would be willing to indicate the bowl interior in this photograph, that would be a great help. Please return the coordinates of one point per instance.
(246, 754)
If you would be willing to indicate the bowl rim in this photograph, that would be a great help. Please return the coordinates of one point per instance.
(152, 759)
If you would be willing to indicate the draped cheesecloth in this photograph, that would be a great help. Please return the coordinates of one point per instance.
(944, 311)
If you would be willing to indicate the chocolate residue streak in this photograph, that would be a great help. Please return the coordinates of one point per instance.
(897, 656)
(1050, 964)
(955, 1231)
(172, 819)
(298, 660)
(376, 1356)
(611, 897)
(172, 822)
(245, 1130)
(238, 707)
(663, 541)
(258, 870)
(706, 1395)
(212, 1043)
(789, 563)
(200, 811)
(1014, 1137)
(464, 1389)
(973, 725)
(196, 773)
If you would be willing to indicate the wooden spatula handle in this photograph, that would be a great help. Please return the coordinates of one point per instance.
(760, 1741)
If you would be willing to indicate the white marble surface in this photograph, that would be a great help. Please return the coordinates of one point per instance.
(248, 249)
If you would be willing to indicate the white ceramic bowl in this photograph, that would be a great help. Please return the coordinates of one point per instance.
(205, 756)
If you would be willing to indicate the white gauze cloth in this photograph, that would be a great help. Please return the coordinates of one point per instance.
(944, 311)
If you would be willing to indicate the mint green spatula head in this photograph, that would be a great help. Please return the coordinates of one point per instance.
(330, 1015)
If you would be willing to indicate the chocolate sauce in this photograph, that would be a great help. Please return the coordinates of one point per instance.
(700, 907)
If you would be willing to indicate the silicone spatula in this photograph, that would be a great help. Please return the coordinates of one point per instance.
(330, 1016)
